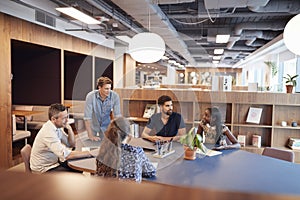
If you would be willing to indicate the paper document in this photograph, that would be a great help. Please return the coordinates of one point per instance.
(140, 142)
(155, 164)
(209, 152)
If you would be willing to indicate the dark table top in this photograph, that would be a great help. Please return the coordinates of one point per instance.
(234, 170)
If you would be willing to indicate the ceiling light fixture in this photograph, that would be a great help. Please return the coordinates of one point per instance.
(147, 47)
(291, 35)
(222, 38)
(76, 14)
(171, 61)
(217, 57)
(218, 51)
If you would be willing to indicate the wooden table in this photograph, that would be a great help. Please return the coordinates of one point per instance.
(25, 114)
(24, 186)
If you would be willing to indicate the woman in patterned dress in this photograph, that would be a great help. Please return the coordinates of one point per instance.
(120, 160)
(212, 129)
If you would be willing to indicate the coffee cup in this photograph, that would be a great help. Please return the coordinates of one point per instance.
(294, 124)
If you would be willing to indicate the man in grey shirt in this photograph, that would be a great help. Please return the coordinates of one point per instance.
(99, 106)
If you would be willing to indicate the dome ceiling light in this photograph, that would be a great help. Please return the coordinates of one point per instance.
(291, 35)
(147, 47)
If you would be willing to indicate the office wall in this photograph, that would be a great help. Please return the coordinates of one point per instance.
(14, 28)
(35, 73)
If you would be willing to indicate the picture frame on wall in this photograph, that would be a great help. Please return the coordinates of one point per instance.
(150, 109)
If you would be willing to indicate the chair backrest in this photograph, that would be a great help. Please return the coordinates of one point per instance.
(279, 154)
(25, 153)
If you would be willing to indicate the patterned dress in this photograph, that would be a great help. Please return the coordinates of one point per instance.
(133, 166)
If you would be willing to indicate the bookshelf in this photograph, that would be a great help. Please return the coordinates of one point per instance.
(234, 105)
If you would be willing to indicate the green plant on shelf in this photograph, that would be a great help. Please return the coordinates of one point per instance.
(291, 80)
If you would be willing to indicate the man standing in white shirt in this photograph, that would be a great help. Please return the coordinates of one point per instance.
(52, 146)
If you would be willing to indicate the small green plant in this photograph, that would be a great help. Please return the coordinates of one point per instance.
(192, 140)
(291, 80)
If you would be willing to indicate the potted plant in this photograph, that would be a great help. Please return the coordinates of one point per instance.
(192, 141)
(290, 82)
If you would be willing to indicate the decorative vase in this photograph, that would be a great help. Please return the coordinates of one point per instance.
(289, 88)
(189, 154)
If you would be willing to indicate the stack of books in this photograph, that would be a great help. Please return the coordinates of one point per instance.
(294, 143)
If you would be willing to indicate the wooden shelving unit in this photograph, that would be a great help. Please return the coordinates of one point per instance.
(191, 103)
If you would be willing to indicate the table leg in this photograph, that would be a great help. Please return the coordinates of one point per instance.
(25, 123)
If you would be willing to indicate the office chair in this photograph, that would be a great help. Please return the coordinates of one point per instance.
(25, 153)
(279, 154)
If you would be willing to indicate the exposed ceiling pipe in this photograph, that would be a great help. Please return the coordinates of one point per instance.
(243, 48)
(274, 26)
(255, 43)
(217, 4)
(275, 6)
(232, 42)
(114, 14)
(172, 1)
(143, 11)
(251, 37)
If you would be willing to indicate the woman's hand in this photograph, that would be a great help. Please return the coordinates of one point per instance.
(94, 138)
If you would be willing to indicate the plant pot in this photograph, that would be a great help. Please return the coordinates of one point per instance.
(189, 154)
(289, 89)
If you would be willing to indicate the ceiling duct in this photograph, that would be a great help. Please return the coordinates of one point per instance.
(275, 6)
(258, 26)
(172, 1)
(253, 26)
(217, 4)
(159, 24)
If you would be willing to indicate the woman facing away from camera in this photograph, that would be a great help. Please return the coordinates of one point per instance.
(120, 160)
(215, 132)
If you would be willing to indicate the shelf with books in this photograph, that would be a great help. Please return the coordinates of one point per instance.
(235, 106)
(135, 107)
(282, 136)
(249, 132)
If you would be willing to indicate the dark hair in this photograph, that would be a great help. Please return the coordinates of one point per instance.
(110, 152)
(162, 99)
(55, 109)
(217, 116)
(103, 81)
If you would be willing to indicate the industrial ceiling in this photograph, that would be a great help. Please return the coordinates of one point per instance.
(189, 27)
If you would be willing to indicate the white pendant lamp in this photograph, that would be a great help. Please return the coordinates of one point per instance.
(147, 47)
(291, 35)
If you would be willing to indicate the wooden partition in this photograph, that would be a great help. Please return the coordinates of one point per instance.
(16, 29)
(276, 107)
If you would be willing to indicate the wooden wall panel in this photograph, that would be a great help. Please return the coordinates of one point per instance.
(5, 95)
(14, 28)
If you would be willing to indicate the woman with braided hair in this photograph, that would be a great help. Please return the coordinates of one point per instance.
(215, 131)
(120, 160)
